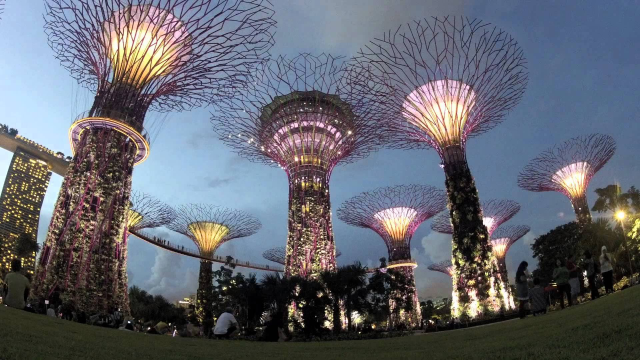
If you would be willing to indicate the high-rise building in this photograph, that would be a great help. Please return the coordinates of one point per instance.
(22, 195)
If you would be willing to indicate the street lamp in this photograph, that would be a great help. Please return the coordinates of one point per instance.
(621, 215)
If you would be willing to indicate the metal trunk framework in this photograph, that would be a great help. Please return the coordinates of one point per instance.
(162, 56)
(568, 169)
(395, 213)
(305, 115)
(209, 227)
(450, 79)
(278, 254)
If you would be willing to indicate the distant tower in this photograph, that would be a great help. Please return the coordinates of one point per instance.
(209, 227)
(278, 255)
(395, 213)
(22, 195)
(494, 214)
(568, 169)
(144, 212)
(137, 56)
(305, 115)
(449, 79)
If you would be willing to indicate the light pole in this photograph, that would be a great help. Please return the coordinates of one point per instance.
(621, 215)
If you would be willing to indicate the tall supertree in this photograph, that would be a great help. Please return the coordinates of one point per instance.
(494, 214)
(306, 115)
(395, 214)
(138, 56)
(209, 227)
(449, 79)
(568, 168)
(143, 212)
(278, 254)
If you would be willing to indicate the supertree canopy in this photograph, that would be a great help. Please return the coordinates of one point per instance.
(136, 55)
(449, 79)
(502, 240)
(568, 168)
(209, 227)
(445, 267)
(305, 115)
(395, 214)
(278, 254)
(494, 214)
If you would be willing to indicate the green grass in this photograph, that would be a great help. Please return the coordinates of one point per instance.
(606, 328)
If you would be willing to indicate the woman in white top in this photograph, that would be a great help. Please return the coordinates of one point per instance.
(606, 269)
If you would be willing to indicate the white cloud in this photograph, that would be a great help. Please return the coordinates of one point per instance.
(437, 246)
(169, 278)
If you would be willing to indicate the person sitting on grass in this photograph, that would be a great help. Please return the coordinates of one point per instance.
(538, 298)
(226, 324)
(17, 285)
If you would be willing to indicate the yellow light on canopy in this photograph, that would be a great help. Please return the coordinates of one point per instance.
(441, 109)
(573, 178)
(500, 247)
(144, 42)
(396, 221)
(133, 218)
(208, 235)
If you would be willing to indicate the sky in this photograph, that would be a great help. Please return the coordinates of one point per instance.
(583, 73)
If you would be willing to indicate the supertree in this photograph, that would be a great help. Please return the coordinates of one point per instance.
(494, 214)
(209, 227)
(445, 267)
(395, 214)
(306, 115)
(501, 242)
(143, 212)
(278, 254)
(138, 56)
(450, 79)
(568, 168)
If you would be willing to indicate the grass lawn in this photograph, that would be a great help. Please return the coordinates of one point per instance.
(606, 328)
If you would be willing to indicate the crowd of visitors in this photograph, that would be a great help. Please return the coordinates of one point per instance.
(565, 284)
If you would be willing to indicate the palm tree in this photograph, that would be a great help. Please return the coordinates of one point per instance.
(277, 294)
(336, 285)
(356, 290)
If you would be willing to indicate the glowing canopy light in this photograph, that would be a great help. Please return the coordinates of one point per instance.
(133, 218)
(488, 222)
(441, 109)
(396, 221)
(506, 236)
(144, 42)
(208, 235)
(445, 267)
(500, 246)
(574, 178)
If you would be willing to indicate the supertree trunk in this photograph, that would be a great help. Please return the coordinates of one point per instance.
(204, 302)
(310, 245)
(581, 208)
(122, 279)
(476, 275)
(410, 319)
(79, 255)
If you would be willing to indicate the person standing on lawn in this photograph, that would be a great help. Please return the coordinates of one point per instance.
(590, 266)
(522, 288)
(17, 286)
(606, 269)
(574, 282)
(561, 277)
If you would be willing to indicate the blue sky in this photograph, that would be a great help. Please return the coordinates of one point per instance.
(583, 74)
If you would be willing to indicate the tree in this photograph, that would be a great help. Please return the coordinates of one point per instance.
(428, 308)
(311, 300)
(26, 245)
(149, 308)
(348, 286)
(612, 199)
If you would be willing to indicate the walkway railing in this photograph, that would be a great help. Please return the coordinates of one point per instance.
(179, 249)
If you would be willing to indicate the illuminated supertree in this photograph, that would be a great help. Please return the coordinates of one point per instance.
(144, 212)
(502, 240)
(209, 227)
(160, 55)
(450, 79)
(278, 254)
(305, 115)
(395, 214)
(568, 168)
(494, 214)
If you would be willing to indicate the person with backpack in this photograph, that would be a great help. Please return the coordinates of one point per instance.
(590, 266)
(606, 270)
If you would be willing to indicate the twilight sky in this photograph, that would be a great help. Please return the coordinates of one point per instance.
(583, 76)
